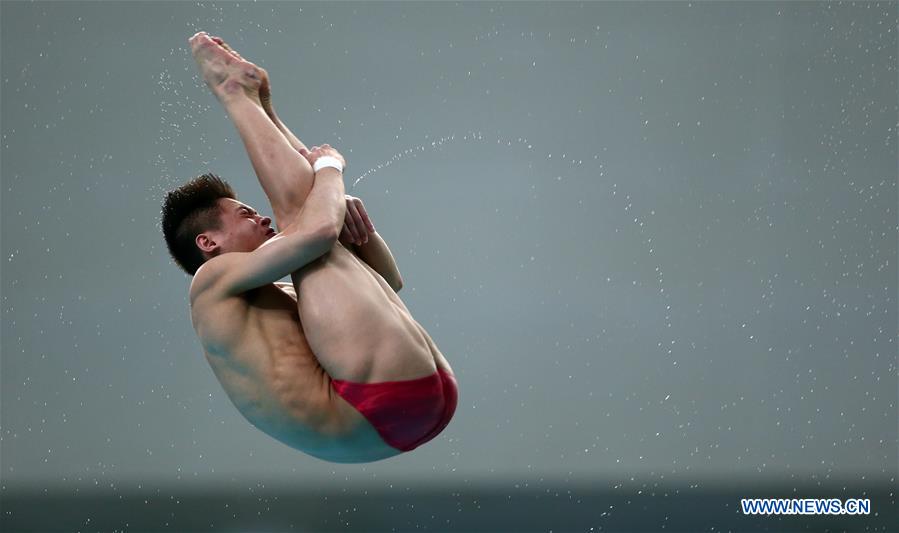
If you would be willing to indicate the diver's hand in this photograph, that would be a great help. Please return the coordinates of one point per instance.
(357, 225)
(321, 151)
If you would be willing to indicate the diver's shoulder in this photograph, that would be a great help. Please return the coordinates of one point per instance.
(207, 276)
(215, 315)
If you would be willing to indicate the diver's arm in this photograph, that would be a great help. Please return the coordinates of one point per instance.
(359, 236)
(376, 253)
(312, 234)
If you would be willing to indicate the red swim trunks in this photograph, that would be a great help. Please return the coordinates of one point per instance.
(405, 413)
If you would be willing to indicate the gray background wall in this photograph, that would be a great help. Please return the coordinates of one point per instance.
(656, 241)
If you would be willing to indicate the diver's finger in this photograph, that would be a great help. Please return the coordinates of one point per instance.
(346, 235)
(357, 226)
(364, 214)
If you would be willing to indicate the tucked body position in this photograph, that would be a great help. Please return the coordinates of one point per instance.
(332, 363)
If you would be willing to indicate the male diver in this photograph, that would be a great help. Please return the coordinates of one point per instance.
(332, 364)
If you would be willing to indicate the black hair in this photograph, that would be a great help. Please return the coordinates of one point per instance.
(188, 211)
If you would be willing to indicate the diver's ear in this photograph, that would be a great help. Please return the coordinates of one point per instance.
(206, 243)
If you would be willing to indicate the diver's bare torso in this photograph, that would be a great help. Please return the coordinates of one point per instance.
(277, 371)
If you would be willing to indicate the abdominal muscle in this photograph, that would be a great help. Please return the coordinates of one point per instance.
(274, 380)
(355, 333)
(334, 432)
(356, 325)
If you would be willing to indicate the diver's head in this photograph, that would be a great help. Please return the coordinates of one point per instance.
(203, 219)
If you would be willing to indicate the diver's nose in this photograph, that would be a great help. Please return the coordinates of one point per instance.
(266, 221)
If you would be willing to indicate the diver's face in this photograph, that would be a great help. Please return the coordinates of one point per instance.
(242, 228)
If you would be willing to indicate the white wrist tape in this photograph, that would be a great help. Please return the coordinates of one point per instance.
(327, 161)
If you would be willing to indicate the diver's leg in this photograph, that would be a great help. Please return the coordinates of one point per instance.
(270, 111)
(285, 175)
(265, 99)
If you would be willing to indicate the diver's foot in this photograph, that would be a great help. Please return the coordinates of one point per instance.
(265, 91)
(225, 71)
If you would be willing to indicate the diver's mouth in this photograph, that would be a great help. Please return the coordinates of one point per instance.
(271, 232)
